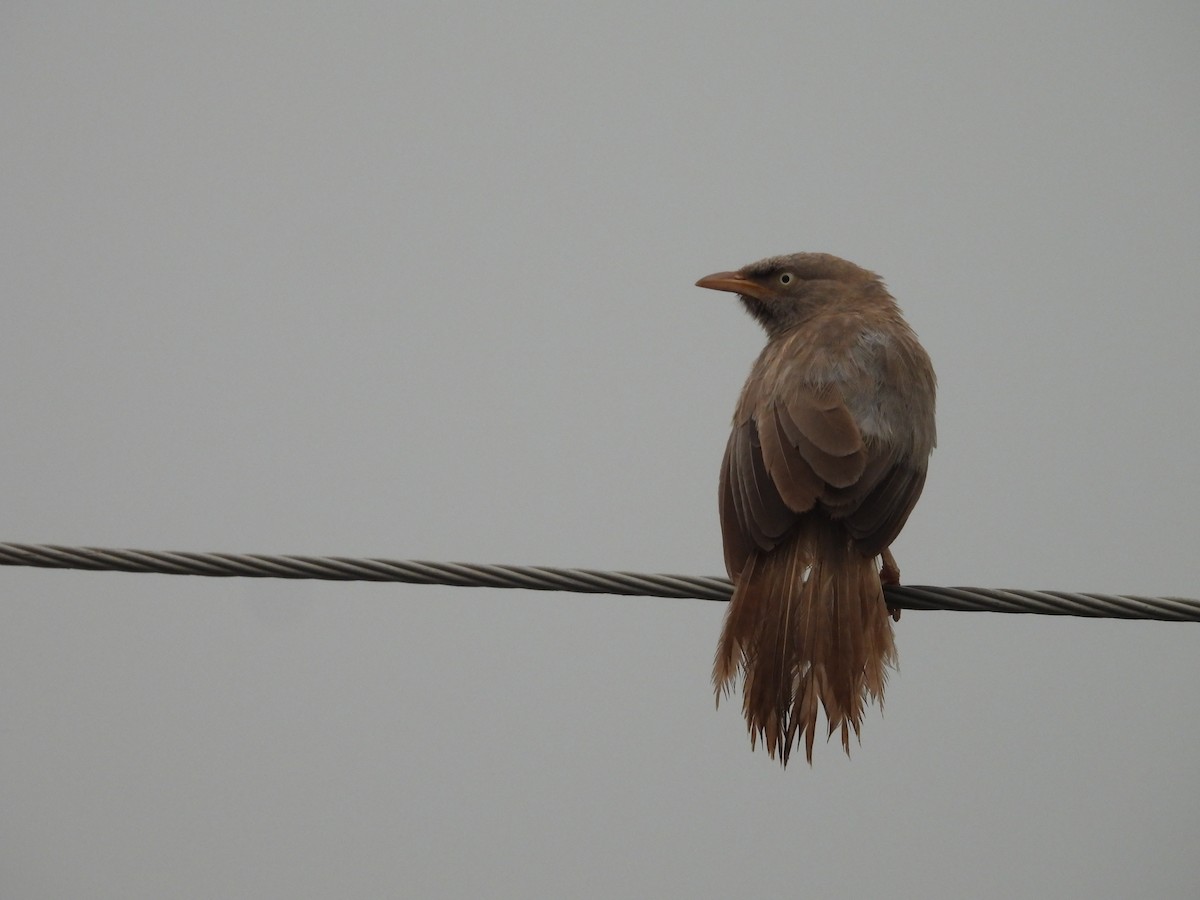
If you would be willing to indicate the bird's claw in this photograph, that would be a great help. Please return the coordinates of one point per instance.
(889, 576)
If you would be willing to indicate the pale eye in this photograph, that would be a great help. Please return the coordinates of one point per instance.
(786, 278)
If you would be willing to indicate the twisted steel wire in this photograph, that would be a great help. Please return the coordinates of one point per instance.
(590, 581)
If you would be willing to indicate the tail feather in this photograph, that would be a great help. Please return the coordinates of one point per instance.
(808, 629)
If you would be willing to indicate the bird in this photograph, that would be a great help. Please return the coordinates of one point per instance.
(827, 455)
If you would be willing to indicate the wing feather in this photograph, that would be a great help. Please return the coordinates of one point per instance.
(753, 515)
(798, 445)
(881, 515)
(797, 482)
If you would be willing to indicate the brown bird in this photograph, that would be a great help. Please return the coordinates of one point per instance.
(830, 442)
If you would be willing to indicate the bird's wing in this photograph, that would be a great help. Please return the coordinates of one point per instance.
(800, 449)
(874, 510)
(779, 462)
(753, 514)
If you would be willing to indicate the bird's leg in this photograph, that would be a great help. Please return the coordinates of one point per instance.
(889, 574)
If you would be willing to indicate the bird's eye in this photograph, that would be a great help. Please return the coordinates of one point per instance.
(786, 278)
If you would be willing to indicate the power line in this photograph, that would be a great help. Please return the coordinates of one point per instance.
(589, 581)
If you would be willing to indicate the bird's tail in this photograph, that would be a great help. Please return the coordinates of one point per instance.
(807, 626)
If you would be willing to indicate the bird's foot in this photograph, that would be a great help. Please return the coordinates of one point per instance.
(889, 576)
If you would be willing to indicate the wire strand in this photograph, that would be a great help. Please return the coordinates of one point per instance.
(588, 581)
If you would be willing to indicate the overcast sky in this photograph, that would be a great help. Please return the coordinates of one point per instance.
(416, 280)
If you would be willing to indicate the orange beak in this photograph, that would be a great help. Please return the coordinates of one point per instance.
(735, 283)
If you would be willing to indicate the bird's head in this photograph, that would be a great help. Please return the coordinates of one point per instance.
(780, 291)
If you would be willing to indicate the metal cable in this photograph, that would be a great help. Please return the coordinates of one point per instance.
(590, 581)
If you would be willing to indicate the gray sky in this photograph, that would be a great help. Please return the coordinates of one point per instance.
(416, 281)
